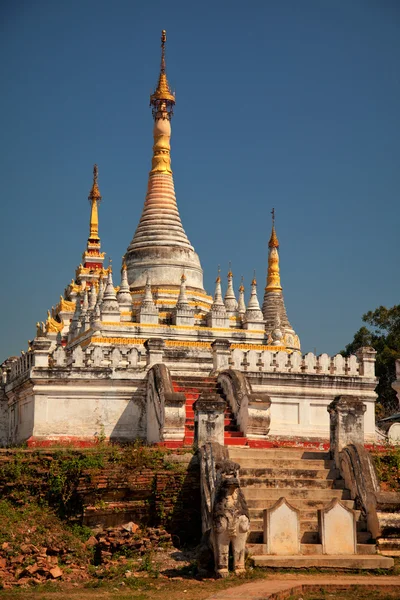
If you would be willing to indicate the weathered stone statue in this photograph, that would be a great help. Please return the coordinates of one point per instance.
(230, 519)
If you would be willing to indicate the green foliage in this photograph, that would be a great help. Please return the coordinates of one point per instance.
(149, 565)
(387, 465)
(384, 336)
(65, 472)
(81, 531)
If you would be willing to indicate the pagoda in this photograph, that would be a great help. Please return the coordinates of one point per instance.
(121, 358)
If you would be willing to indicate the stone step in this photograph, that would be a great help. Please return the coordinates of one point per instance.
(289, 473)
(273, 463)
(299, 503)
(389, 546)
(308, 549)
(307, 513)
(235, 441)
(252, 493)
(196, 378)
(281, 453)
(309, 532)
(345, 561)
(309, 522)
(306, 484)
(233, 434)
(193, 387)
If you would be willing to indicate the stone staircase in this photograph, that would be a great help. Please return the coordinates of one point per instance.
(193, 387)
(309, 481)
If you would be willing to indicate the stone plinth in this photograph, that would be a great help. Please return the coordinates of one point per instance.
(209, 410)
(367, 359)
(221, 354)
(282, 529)
(337, 528)
(346, 423)
(155, 351)
(41, 347)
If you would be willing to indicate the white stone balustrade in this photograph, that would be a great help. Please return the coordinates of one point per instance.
(265, 361)
(20, 366)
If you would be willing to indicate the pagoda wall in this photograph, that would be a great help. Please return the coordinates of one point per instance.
(83, 410)
(299, 403)
(99, 391)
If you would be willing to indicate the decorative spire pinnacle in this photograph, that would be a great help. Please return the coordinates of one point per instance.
(73, 329)
(277, 324)
(148, 312)
(273, 277)
(109, 293)
(109, 306)
(253, 301)
(182, 301)
(94, 199)
(253, 313)
(230, 298)
(92, 297)
(148, 295)
(85, 304)
(100, 294)
(162, 100)
(241, 304)
(124, 296)
(218, 302)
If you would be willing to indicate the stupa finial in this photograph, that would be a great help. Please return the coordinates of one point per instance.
(273, 276)
(94, 199)
(94, 193)
(162, 100)
(273, 240)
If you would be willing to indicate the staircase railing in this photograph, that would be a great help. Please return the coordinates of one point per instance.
(166, 409)
(358, 471)
(251, 410)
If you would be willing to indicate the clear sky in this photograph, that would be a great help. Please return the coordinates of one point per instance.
(292, 104)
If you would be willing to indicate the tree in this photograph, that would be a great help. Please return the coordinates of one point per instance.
(384, 336)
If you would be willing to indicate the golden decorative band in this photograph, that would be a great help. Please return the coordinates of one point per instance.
(188, 343)
(260, 347)
(116, 340)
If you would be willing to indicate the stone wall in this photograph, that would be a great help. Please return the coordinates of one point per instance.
(110, 486)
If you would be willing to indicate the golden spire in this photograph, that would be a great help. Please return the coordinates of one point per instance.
(94, 198)
(162, 91)
(273, 277)
(162, 102)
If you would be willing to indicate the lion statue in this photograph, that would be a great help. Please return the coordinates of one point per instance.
(230, 519)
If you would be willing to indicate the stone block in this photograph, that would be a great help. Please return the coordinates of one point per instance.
(221, 354)
(282, 529)
(337, 528)
(346, 423)
(209, 410)
(155, 351)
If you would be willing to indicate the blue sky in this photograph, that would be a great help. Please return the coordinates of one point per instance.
(287, 104)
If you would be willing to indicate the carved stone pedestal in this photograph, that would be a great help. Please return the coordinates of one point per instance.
(346, 423)
(210, 410)
(221, 354)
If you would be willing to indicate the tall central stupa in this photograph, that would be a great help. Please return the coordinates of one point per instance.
(160, 251)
